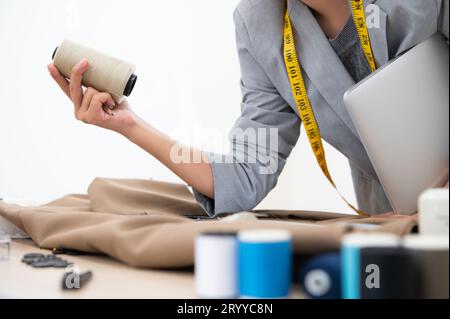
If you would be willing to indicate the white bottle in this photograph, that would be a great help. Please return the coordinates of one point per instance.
(433, 212)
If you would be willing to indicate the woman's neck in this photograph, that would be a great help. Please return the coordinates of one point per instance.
(332, 15)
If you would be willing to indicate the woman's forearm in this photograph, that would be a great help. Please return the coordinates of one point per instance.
(196, 171)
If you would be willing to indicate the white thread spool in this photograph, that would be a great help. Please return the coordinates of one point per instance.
(105, 73)
(434, 212)
(216, 265)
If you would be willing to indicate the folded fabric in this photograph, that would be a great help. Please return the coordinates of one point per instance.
(133, 196)
(145, 223)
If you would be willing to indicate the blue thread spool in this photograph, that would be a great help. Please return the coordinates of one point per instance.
(351, 258)
(265, 263)
(321, 276)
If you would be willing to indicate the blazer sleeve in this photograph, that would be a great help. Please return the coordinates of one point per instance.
(444, 17)
(261, 140)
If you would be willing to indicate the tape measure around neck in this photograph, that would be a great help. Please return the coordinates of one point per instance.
(301, 96)
(359, 17)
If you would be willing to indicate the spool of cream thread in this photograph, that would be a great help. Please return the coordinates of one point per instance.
(434, 212)
(105, 73)
(430, 253)
(216, 265)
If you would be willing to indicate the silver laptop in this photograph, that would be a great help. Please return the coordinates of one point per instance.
(401, 113)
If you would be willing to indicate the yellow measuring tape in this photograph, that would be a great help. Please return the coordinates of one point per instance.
(359, 18)
(301, 96)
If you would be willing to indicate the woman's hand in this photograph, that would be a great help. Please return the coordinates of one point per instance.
(99, 109)
(395, 216)
(94, 107)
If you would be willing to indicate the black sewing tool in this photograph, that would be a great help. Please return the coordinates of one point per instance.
(44, 261)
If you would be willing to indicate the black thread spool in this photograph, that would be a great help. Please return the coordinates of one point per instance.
(394, 269)
(431, 255)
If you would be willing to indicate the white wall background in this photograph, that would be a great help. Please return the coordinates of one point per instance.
(45, 153)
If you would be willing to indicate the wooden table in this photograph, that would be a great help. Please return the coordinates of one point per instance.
(111, 279)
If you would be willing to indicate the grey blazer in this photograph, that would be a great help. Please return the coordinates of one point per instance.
(267, 100)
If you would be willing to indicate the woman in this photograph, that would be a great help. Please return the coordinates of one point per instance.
(332, 61)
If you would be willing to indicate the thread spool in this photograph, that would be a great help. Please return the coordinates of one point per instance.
(351, 259)
(431, 255)
(265, 263)
(5, 247)
(434, 212)
(321, 276)
(389, 273)
(105, 73)
(216, 265)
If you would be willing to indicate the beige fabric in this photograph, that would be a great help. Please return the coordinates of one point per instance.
(142, 197)
(141, 223)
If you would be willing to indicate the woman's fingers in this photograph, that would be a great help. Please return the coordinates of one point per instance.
(102, 99)
(396, 216)
(99, 101)
(76, 91)
(86, 104)
(87, 98)
(59, 79)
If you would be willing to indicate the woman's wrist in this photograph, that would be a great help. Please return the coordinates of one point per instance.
(134, 129)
